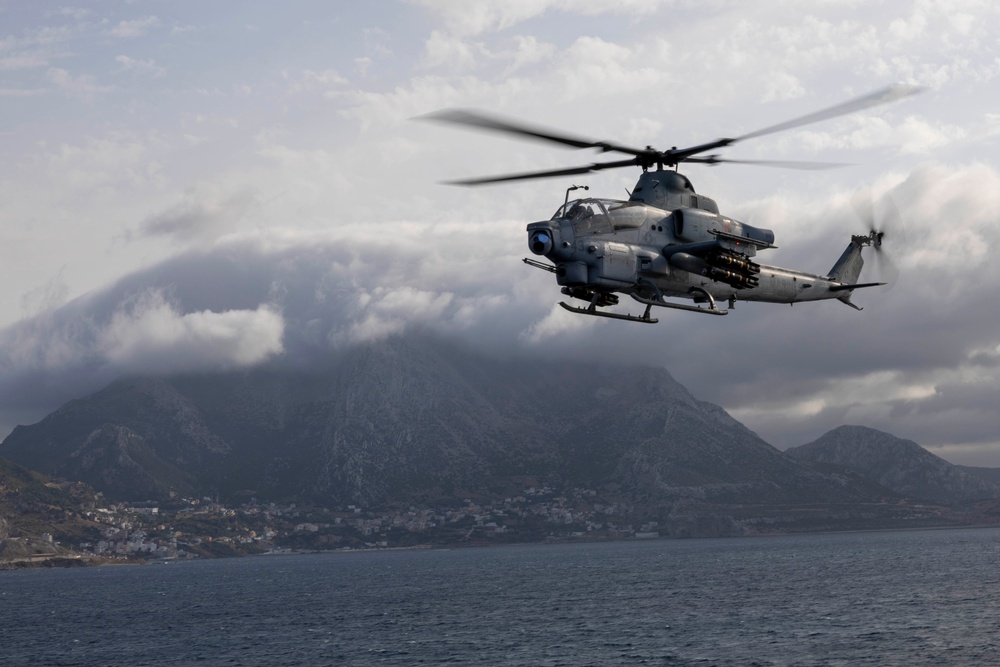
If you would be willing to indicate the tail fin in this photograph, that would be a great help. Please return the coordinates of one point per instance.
(848, 268)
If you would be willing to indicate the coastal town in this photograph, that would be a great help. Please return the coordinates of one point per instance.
(189, 528)
(185, 528)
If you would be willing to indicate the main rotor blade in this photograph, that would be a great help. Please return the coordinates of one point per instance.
(884, 96)
(497, 124)
(783, 164)
(649, 157)
(571, 171)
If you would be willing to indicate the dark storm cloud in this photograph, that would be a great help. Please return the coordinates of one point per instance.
(919, 361)
(279, 299)
(892, 365)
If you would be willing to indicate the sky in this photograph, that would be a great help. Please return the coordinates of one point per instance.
(193, 186)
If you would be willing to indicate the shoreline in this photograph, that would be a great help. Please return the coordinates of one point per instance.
(77, 560)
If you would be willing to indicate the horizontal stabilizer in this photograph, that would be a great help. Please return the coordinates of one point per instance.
(844, 288)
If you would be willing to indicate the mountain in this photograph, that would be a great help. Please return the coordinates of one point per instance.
(900, 465)
(991, 475)
(415, 419)
(36, 513)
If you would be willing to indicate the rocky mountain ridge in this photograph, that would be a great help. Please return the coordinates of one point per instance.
(423, 422)
(414, 419)
(900, 465)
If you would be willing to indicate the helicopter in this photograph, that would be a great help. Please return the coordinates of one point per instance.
(667, 242)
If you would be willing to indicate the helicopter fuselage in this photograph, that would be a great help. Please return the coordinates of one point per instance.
(668, 242)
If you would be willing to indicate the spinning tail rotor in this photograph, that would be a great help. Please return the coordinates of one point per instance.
(883, 223)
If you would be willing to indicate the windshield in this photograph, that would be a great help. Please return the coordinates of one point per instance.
(593, 215)
(577, 209)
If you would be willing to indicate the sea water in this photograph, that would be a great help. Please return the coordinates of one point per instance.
(888, 598)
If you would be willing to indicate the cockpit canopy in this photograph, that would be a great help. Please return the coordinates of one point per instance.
(605, 215)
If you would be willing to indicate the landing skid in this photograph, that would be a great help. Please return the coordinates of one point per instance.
(712, 309)
(659, 301)
(592, 310)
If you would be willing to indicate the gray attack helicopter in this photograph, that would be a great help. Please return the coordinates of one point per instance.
(667, 241)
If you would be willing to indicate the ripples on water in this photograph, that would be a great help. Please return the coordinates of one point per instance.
(903, 598)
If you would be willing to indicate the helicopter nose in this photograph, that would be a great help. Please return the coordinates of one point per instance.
(540, 241)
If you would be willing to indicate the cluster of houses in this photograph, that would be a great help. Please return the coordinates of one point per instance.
(188, 528)
(149, 532)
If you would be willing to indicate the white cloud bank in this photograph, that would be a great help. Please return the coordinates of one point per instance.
(148, 335)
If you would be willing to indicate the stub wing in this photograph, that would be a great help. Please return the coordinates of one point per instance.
(726, 259)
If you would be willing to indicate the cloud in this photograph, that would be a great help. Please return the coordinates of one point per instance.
(118, 160)
(559, 324)
(473, 18)
(592, 62)
(444, 49)
(388, 311)
(23, 61)
(305, 193)
(310, 81)
(72, 350)
(143, 67)
(134, 28)
(783, 86)
(34, 48)
(908, 364)
(203, 213)
(76, 13)
(912, 135)
(377, 43)
(147, 334)
(891, 366)
(21, 92)
(528, 50)
(47, 297)
(278, 297)
(83, 86)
